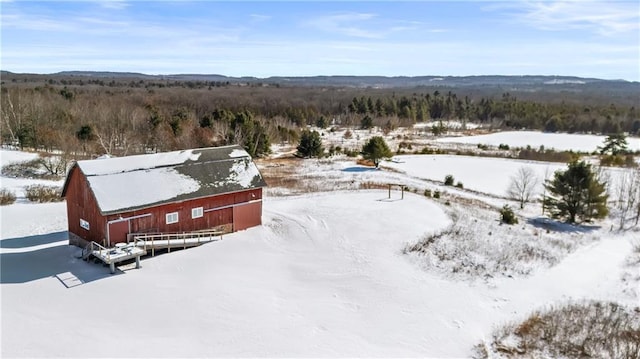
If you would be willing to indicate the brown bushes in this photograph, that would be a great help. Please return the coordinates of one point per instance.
(42, 193)
(577, 330)
(6, 197)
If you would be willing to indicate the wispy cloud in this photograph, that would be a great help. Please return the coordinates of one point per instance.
(259, 17)
(367, 25)
(347, 24)
(34, 22)
(114, 4)
(602, 17)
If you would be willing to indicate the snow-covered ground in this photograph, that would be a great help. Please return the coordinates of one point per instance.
(557, 141)
(324, 276)
(17, 185)
(484, 174)
(9, 156)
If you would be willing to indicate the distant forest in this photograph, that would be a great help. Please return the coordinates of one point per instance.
(89, 116)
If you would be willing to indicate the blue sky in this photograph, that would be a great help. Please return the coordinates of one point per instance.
(580, 38)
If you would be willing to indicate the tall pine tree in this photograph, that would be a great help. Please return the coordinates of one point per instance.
(576, 193)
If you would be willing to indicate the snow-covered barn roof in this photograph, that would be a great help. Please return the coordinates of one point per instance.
(129, 183)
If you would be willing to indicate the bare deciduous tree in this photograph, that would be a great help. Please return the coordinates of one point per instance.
(523, 185)
(627, 197)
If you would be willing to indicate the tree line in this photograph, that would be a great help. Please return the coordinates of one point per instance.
(137, 116)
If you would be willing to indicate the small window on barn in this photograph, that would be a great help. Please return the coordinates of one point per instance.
(172, 217)
(84, 224)
(197, 212)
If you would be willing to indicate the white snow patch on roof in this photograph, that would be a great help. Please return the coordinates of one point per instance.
(238, 153)
(243, 173)
(137, 162)
(139, 188)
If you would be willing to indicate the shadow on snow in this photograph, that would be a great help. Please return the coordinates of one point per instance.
(30, 241)
(553, 225)
(359, 169)
(60, 261)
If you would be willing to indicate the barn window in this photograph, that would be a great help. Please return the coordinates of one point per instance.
(197, 212)
(172, 217)
(84, 224)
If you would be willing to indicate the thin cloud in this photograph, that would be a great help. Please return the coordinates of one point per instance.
(347, 24)
(366, 25)
(34, 23)
(603, 18)
(114, 4)
(259, 17)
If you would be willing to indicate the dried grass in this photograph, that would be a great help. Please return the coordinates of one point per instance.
(42, 193)
(6, 197)
(577, 330)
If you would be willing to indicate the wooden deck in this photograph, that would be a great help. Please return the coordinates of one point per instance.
(153, 241)
(138, 244)
(118, 254)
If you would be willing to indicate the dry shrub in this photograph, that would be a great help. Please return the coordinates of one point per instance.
(27, 169)
(280, 173)
(577, 330)
(363, 162)
(373, 185)
(42, 193)
(6, 197)
(476, 246)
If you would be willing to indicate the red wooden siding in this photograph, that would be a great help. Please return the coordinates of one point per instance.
(225, 209)
(154, 218)
(118, 231)
(81, 204)
(247, 215)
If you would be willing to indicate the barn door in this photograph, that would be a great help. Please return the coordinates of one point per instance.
(118, 232)
(247, 215)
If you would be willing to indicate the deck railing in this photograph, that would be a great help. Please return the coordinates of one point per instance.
(90, 249)
(173, 240)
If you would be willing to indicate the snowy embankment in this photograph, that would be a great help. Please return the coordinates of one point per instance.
(557, 141)
(323, 276)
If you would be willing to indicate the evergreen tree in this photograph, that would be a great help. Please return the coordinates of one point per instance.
(366, 122)
(615, 144)
(376, 149)
(250, 133)
(576, 194)
(310, 144)
(322, 122)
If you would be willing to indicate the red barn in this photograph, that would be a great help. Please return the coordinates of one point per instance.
(172, 192)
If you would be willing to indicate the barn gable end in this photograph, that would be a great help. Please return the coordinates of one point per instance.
(202, 188)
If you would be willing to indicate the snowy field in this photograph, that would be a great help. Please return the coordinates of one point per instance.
(325, 276)
(557, 141)
(483, 174)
